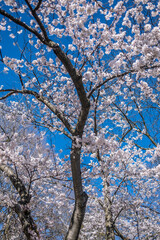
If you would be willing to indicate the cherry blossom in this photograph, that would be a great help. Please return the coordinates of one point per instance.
(87, 71)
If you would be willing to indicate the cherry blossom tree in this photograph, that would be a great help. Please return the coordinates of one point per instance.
(31, 175)
(90, 71)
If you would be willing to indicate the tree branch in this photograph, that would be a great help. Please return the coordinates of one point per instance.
(38, 5)
(118, 233)
(75, 76)
(28, 225)
(37, 18)
(17, 183)
(43, 100)
(23, 212)
(120, 75)
(22, 24)
(132, 124)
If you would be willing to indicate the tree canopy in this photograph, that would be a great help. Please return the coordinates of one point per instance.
(88, 71)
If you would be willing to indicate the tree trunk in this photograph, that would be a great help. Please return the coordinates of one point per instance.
(108, 215)
(28, 225)
(27, 222)
(80, 196)
(77, 218)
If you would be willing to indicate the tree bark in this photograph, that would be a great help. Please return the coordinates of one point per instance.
(21, 209)
(27, 222)
(108, 215)
(80, 196)
(77, 218)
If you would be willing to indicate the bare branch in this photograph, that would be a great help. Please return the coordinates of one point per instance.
(125, 116)
(118, 233)
(7, 95)
(38, 5)
(118, 187)
(118, 214)
(133, 124)
(1, 56)
(37, 19)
